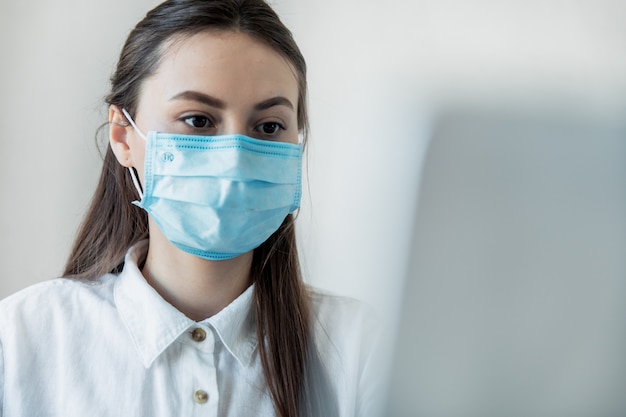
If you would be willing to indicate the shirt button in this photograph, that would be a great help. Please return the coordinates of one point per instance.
(200, 396)
(198, 335)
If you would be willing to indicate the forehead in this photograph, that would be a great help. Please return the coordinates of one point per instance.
(229, 65)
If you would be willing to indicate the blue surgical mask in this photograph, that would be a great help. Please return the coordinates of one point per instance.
(217, 197)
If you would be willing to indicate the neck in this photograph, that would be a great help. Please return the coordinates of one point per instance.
(197, 287)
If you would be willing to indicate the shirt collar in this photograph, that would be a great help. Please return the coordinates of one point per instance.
(154, 324)
(235, 325)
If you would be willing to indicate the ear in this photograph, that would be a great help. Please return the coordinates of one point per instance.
(118, 132)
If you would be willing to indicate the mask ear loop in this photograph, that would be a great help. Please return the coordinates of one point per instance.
(136, 183)
(133, 175)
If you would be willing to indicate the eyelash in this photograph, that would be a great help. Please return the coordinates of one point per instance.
(196, 116)
(278, 126)
(207, 123)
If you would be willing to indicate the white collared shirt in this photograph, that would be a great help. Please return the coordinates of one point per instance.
(114, 347)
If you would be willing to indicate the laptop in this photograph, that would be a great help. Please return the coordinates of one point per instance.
(515, 300)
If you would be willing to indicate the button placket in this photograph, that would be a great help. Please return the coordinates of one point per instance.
(202, 369)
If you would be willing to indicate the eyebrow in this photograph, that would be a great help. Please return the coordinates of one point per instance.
(274, 101)
(200, 97)
(217, 103)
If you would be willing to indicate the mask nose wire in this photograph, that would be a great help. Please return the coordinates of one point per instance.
(133, 175)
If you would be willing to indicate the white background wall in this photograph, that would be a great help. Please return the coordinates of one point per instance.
(56, 59)
(379, 73)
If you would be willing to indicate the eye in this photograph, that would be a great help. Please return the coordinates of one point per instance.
(198, 122)
(269, 128)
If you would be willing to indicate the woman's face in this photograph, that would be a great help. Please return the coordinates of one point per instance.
(217, 83)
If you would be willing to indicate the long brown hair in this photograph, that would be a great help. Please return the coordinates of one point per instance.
(293, 371)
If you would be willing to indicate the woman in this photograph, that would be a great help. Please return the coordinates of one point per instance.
(183, 294)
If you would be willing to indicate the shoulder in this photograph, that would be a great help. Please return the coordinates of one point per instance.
(343, 322)
(48, 300)
(337, 310)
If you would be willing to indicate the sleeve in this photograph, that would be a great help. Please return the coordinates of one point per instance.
(373, 370)
(1, 377)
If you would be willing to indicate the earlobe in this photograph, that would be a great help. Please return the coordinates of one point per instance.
(118, 129)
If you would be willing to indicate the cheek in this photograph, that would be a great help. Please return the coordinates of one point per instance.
(297, 136)
(138, 155)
